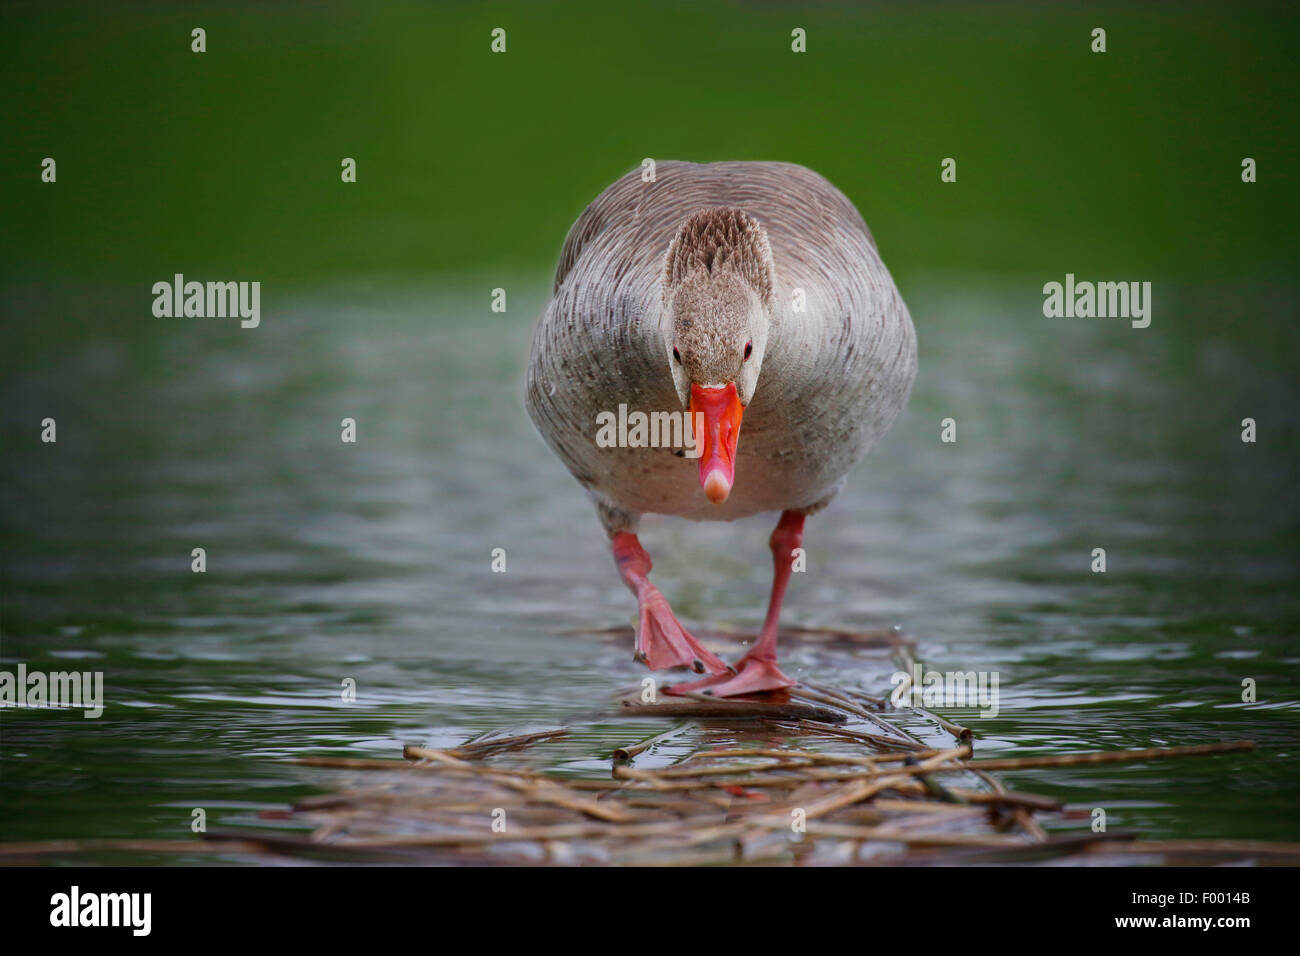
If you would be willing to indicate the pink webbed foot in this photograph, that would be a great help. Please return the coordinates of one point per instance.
(662, 642)
(756, 674)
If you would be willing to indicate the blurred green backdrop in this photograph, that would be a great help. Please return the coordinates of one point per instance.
(1126, 162)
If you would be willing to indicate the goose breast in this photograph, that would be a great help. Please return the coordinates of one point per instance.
(840, 355)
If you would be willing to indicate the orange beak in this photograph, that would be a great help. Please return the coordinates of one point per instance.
(721, 409)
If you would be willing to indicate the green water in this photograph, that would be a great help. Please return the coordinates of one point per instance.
(371, 561)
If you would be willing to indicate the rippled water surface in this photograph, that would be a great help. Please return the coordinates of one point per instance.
(371, 561)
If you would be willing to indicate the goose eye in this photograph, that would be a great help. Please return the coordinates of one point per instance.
(677, 355)
(749, 350)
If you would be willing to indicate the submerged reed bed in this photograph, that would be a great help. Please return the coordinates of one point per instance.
(884, 800)
(818, 775)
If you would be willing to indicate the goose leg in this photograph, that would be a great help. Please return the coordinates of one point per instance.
(660, 640)
(758, 670)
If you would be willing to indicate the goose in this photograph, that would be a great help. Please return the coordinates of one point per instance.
(750, 296)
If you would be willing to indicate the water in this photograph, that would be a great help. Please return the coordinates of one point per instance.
(371, 561)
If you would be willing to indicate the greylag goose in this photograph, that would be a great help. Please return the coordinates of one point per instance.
(728, 291)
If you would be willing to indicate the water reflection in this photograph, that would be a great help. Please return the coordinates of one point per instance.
(370, 562)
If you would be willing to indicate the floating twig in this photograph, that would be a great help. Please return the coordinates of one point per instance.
(1109, 756)
(484, 746)
(632, 750)
(730, 709)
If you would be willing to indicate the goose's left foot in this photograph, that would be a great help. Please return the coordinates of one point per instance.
(757, 669)
(756, 674)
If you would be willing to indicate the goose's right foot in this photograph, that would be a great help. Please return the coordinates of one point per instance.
(661, 641)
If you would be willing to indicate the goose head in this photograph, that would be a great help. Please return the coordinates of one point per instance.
(717, 294)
